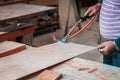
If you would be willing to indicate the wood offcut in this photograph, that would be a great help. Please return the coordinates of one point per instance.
(9, 47)
(49, 75)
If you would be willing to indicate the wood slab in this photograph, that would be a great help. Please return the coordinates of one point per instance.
(9, 47)
(32, 60)
(49, 75)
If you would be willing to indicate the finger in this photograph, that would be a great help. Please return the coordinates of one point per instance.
(87, 12)
(102, 51)
(92, 13)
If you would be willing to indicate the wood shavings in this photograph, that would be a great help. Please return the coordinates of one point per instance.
(92, 69)
(83, 66)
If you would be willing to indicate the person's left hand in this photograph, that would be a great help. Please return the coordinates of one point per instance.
(107, 47)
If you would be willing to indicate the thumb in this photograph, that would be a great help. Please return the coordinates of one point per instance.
(101, 46)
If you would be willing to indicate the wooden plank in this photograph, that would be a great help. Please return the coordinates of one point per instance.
(32, 60)
(49, 75)
(9, 47)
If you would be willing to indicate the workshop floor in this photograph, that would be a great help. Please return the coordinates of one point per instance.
(87, 37)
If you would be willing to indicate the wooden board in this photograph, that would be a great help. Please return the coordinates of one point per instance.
(9, 47)
(71, 70)
(49, 75)
(32, 60)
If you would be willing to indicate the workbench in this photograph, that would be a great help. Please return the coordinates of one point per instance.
(21, 11)
(76, 69)
(17, 13)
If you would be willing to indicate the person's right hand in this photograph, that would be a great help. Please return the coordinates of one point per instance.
(93, 9)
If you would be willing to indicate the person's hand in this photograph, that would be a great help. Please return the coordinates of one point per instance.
(107, 47)
(93, 10)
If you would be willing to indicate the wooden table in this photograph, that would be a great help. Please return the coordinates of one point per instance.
(74, 69)
(19, 12)
(80, 69)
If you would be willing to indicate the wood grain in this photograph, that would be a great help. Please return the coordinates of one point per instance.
(94, 70)
(36, 59)
(9, 47)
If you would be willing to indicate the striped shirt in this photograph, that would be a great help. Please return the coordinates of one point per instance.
(110, 19)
